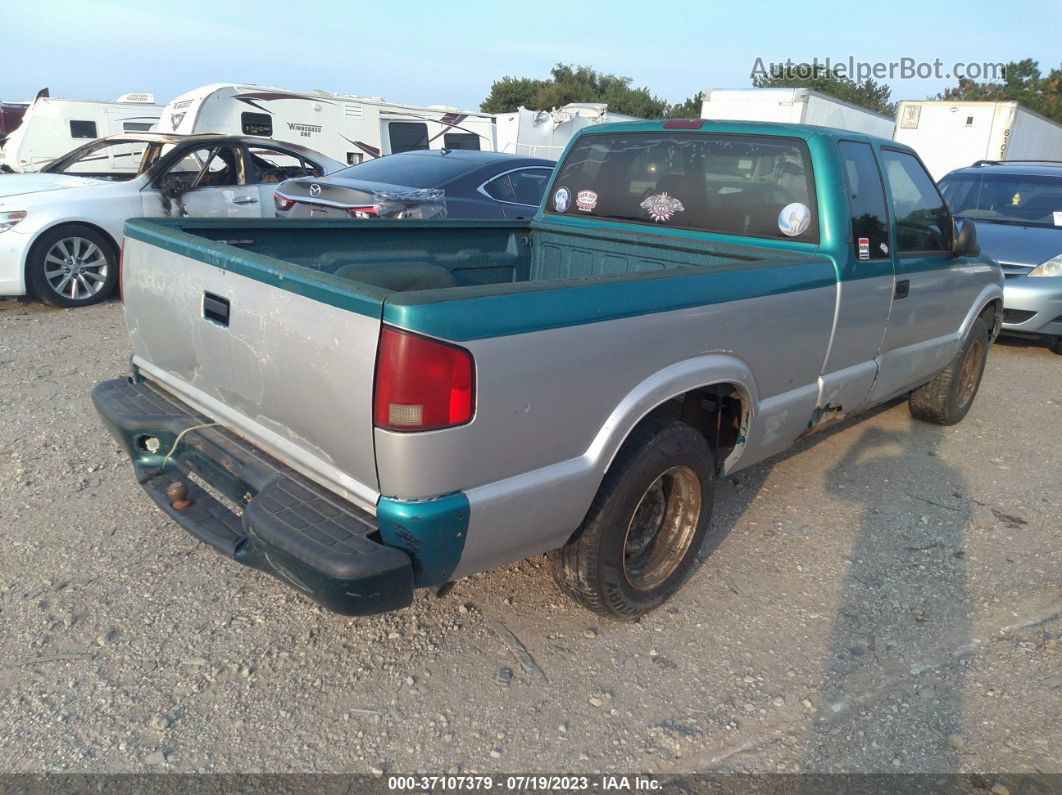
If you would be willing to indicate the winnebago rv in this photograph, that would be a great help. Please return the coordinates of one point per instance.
(793, 106)
(51, 127)
(541, 133)
(348, 128)
(950, 135)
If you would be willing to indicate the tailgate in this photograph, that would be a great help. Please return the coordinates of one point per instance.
(279, 354)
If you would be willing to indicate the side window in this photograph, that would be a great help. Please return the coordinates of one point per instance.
(529, 185)
(137, 126)
(206, 167)
(274, 165)
(461, 141)
(866, 200)
(923, 222)
(501, 189)
(407, 136)
(83, 129)
(257, 124)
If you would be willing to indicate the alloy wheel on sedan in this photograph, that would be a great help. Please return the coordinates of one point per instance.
(76, 268)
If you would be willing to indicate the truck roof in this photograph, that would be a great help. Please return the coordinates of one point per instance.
(1036, 168)
(803, 131)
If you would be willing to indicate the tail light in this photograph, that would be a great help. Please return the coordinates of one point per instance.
(370, 211)
(282, 202)
(421, 384)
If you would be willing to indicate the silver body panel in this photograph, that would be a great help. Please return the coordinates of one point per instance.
(263, 373)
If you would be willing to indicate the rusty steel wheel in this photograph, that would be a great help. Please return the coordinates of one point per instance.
(642, 533)
(664, 523)
(946, 399)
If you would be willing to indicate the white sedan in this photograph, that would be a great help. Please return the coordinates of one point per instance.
(61, 228)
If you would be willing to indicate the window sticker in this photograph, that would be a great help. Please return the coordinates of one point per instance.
(562, 199)
(586, 200)
(661, 207)
(864, 248)
(794, 219)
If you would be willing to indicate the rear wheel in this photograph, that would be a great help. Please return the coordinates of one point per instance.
(947, 398)
(645, 526)
(72, 266)
(1056, 345)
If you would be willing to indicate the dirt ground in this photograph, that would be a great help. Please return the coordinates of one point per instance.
(886, 597)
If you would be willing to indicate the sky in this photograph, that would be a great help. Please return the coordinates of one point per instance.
(449, 53)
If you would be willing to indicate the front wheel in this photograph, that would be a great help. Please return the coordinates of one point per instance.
(947, 398)
(645, 526)
(1056, 345)
(73, 266)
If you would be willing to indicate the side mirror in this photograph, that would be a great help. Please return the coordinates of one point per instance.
(966, 241)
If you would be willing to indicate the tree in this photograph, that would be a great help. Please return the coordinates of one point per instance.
(1023, 82)
(688, 109)
(868, 94)
(573, 84)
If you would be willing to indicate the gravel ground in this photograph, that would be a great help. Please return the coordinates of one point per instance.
(884, 598)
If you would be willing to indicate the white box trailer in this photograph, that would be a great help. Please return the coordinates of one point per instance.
(793, 106)
(951, 135)
(53, 126)
(545, 133)
(346, 127)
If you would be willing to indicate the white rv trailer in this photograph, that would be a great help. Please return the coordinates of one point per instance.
(53, 126)
(347, 128)
(793, 106)
(950, 135)
(542, 133)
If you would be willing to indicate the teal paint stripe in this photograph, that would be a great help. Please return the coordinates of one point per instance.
(322, 287)
(431, 532)
(600, 300)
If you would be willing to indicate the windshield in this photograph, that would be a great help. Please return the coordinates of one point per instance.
(116, 160)
(757, 186)
(414, 171)
(1030, 200)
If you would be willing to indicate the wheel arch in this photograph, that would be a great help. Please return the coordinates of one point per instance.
(682, 391)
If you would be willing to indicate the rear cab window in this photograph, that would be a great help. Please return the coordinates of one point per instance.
(747, 185)
(866, 201)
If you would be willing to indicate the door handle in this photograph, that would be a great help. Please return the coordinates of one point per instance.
(245, 200)
(216, 309)
(903, 288)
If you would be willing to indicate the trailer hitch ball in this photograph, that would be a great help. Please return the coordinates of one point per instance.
(178, 495)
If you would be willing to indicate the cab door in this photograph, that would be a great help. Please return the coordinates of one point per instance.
(207, 181)
(866, 287)
(931, 296)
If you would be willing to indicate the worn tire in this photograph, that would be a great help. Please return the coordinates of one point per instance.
(661, 456)
(38, 264)
(946, 399)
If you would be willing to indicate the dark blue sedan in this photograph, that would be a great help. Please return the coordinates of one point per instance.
(424, 184)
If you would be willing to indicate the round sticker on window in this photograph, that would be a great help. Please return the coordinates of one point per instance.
(794, 219)
(562, 199)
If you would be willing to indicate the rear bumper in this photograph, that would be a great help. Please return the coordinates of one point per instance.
(261, 513)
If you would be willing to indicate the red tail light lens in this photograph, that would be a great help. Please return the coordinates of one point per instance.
(421, 384)
(370, 211)
(282, 202)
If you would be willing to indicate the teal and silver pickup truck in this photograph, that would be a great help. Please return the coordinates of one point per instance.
(363, 408)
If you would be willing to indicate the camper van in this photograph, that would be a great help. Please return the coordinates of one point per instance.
(51, 127)
(345, 127)
(949, 135)
(793, 106)
(542, 133)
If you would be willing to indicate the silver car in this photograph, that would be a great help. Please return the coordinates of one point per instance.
(1017, 207)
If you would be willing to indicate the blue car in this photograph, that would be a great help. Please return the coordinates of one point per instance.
(457, 183)
(1017, 207)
